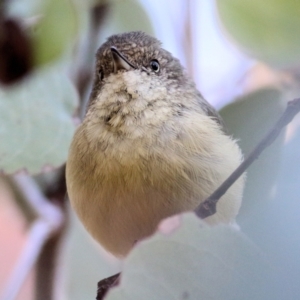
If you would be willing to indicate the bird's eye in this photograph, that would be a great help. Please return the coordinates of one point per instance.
(100, 74)
(154, 65)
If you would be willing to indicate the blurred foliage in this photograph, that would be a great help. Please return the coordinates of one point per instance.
(268, 213)
(124, 16)
(195, 262)
(266, 30)
(15, 52)
(129, 15)
(248, 119)
(36, 121)
(274, 224)
(86, 263)
(56, 29)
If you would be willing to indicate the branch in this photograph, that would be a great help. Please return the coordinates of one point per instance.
(105, 284)
(49, 221)
(208, 207)
(49, 266)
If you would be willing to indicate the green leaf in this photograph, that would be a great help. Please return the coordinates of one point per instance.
(36, 121)
(194, 262)
(267, 30)
(124, 16)
(57, 28)
(248, 119)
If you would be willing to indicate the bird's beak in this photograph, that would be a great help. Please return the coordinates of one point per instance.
(120, 62)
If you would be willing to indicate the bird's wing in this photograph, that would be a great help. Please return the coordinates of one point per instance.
(211, 112)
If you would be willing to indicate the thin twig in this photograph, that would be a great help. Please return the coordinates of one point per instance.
(105, 284)
(208, 207)
(49, 268)
(49, 265)
(37, 201)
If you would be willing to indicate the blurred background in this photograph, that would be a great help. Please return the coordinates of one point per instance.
(245, 59)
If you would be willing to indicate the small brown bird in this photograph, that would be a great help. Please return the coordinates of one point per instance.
(149, 146)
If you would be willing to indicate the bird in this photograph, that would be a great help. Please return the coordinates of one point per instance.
(149, 147)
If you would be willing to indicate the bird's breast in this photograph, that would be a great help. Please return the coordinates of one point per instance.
(130, 105)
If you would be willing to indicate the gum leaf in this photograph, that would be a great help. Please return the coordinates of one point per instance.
(266, 30)
(36, 122)
(194, 262)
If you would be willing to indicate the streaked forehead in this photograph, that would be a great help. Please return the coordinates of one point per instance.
(139, 49)
(130, 40)
(131, 44)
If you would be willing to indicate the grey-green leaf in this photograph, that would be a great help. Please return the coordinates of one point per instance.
(248, 119)
(36, 124)
(267, 30)
(194, 262)
(85, 263)
(126, 16)
(56, 30)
